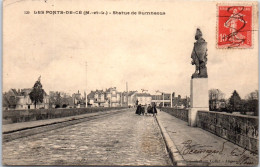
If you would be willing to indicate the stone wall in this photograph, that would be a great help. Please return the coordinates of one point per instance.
(239, 129)
(178, 113)
(13, 116)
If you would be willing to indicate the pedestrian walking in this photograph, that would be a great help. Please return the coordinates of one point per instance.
(142, 110)
(154, 110)
(149, 108)
(138, 109)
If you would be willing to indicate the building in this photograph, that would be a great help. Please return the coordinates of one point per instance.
(132, 99)
(25, 102)
(91, 98)
(108, 98)
(20, 99)
(113, 97)
(164, 98)
(177, 102)
(79, 100)
(97, 98)
(124, 99)
(144, 98)
(128, 98)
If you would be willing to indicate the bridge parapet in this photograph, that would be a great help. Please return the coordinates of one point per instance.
(178, 113)
(239, 129)
(14, 116)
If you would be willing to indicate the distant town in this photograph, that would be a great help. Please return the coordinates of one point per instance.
(37, 98)
(111, 97)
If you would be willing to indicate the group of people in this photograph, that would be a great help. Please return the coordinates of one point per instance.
(144, 109)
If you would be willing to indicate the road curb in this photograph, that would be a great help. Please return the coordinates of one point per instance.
(174, 153)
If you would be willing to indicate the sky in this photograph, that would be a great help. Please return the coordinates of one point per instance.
(148, 52)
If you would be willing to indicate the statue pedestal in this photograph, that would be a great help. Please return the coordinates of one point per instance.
(199, 98)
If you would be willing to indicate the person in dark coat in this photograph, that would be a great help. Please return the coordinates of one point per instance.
(149, 108)
(154, 110)
(138, 109)
(142, 110)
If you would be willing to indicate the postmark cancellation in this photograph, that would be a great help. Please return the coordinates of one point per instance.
(235, 25)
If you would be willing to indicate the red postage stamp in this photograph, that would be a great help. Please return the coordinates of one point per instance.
(234, 28)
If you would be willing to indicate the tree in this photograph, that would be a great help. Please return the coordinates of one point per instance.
(37, 92)
(65, 102)
(215, 96)
(9, 101)
(58, 100)
(251, 103)
(5, 101)
(253, 95)
(235, 101)
(55, 99)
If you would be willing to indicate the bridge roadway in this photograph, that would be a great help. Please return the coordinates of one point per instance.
(119, 139)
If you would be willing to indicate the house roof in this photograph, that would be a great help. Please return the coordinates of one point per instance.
(14, 92)
(99, 91)
(143, 95)
(130, 93)
(26, 91)
(91, 95)
(77, 96)
(110, 89)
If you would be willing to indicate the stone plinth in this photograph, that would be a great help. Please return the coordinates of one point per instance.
(199, 98)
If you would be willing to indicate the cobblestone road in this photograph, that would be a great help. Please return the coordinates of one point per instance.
(122, 139)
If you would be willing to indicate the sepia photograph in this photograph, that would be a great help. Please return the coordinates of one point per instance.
(130, 83)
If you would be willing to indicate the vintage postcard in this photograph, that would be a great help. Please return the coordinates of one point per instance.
(130, 83)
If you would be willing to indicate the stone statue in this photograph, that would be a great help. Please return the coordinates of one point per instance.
(199, 56)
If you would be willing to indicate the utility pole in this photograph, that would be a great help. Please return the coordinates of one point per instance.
(163, 98)
(171, 99)
(86, 84)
